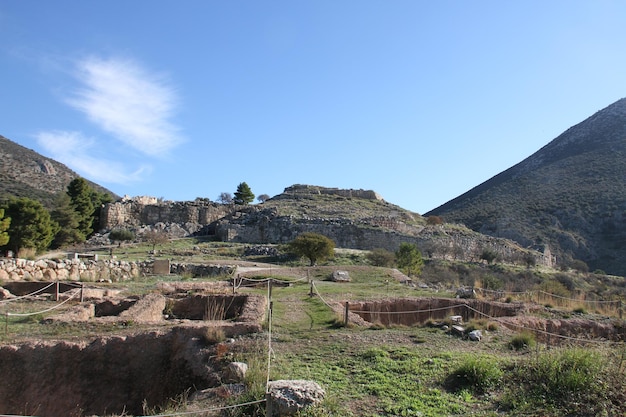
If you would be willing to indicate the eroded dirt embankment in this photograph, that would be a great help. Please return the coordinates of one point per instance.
(514, 316)
(110, 375)
(411, 311)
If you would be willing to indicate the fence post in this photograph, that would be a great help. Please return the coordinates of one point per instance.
(57, 292)
(269, 409)
(82, 298)
(311, 293)
(345, 318)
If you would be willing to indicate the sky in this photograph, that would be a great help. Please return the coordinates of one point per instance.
(417, 100)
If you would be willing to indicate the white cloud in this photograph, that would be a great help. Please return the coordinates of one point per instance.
(77, 151)
(128, 102)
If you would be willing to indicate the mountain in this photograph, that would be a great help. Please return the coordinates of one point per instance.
(25, 173)
(570, 196)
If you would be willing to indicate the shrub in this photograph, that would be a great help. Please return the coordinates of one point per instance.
(569, 371)
(475, 373)
(381, 257)
(121, 235)
(522, 341)
(579, 266)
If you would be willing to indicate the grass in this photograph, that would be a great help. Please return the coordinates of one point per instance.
(399, 371)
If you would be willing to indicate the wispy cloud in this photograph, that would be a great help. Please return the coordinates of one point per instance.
(127, 101)
(76, 150)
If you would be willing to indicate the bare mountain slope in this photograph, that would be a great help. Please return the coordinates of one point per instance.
(26, 173)
(570, 195)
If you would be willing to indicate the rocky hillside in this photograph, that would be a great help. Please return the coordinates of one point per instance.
(569, 195)
(356, 219)
(25, 173)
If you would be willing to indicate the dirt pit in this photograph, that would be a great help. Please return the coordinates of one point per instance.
(413, 311)
(517, 317)
(130, 374)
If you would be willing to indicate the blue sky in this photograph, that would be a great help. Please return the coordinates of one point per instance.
(417, 100)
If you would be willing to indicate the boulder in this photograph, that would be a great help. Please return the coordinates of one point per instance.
(287, 397)
(235, 372)
(475, 335)
(341, 276)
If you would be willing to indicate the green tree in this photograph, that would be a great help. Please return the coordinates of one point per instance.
(67, 219)
(31, 226)
(5, 222)
(81, 195)
(313, 246)
(409, 259)
(98, 200)
(243, 195)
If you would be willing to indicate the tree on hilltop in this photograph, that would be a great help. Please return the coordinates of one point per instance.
(225, 198)
(263, 198)
(313, 246)
(243, 195)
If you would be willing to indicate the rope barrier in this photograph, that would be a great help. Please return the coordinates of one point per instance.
(27, 295)
(579, 301)
(320, 295)
(429, 310)
(46, 310)
(544, 332)
(186, 413)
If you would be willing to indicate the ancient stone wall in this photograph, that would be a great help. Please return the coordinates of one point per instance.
(91, 271)
(449, 245)
(134, 213)
(300, 189)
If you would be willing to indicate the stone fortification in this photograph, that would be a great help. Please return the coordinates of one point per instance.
(383, 226)
(299, 189)
(145, 211)
(257, 225)
(12, 269)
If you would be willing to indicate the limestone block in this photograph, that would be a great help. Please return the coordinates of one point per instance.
(287, 397)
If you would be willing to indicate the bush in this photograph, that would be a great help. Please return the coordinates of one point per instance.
(475, 373)
(522, 341)
(568, 378)
(381, 257)
(121, 235)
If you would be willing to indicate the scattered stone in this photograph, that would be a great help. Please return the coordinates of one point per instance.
(475, 335)
(457, 330)
(235, 372)
(287, 397)
(466, 292)
(341, 276)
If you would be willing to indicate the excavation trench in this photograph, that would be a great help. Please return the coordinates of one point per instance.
(517, 317)
(414, 311)
(129, 374)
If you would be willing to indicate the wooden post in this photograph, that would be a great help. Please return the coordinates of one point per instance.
(82, 297)
(311, 293)
(345, 318)
(269, 409)
(269, 289)
(57, 291)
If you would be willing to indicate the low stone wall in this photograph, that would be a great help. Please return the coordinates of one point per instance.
(12, 269)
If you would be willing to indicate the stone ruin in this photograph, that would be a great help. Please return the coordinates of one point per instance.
(135, 370)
